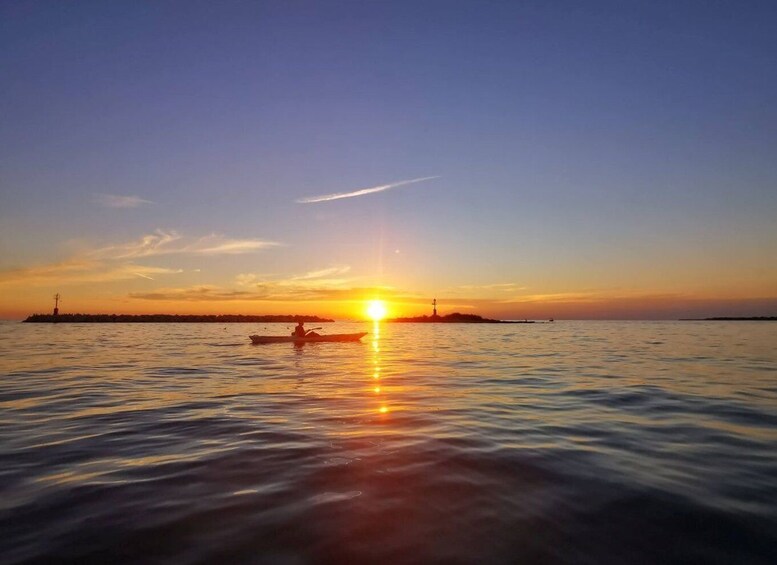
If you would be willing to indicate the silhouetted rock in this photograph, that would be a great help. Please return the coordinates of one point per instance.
(456, 318)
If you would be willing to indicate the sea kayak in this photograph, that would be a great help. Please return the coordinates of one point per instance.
(312, 339)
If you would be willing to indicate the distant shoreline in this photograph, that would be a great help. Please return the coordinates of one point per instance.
(732, 319)
(169, 318)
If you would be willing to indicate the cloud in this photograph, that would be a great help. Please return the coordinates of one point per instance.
(201, 293)
(500, 287)
(322, 273)
(360, 192)
(157, 243)
(144, 276)
(80, 271)
(320, 277)
(244, 279)
(559, 297)
(269, 292)
(229, 247)
(163, 242)
(594, 296)
(118, 201)
(276, 292)
(118, 262)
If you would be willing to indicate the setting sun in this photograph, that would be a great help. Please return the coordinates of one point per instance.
(376, 309)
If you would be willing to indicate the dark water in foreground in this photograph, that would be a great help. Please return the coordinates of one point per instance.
(573, 442)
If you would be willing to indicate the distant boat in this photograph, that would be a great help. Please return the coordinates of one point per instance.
(257, 339)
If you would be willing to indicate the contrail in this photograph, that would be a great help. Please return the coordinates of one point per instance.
(362, 192)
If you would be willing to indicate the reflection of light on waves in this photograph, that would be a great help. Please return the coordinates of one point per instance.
(376, 361)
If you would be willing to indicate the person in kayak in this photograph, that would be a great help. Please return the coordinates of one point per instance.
(300, 331)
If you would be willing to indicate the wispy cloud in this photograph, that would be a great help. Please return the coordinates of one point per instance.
(500, 287)
(323, 273)
(212, 246)
(361, 192)
(144, 276)
(320, 276)
(557, 297)
(77, 271)
(157, 243)
(322, 279)
(200, 293)
(118, 201)
(163, 242)
(245, 279)
(119, 262)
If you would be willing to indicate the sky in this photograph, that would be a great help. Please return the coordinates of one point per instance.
(511, 159)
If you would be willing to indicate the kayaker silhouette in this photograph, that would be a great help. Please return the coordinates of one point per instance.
(300, 331)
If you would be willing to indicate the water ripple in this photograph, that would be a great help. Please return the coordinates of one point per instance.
(573, 442)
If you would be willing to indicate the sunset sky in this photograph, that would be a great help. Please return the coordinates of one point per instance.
(512, 159)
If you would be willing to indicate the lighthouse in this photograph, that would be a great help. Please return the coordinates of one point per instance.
(434, 308)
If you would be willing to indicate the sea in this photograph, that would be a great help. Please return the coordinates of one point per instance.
(568, 442)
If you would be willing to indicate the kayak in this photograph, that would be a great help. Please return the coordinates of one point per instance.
(313, 339)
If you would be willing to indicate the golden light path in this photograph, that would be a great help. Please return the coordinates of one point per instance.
(382, 408)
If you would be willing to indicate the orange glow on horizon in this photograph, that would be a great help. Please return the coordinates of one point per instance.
(17, 301)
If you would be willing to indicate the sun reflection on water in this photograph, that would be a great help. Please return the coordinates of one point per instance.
(377, 390)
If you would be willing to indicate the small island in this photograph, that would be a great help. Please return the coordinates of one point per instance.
(171, 318)
(456, 318)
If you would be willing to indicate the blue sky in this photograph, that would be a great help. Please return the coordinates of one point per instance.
(602, 149)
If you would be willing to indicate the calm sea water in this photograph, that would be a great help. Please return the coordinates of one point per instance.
(572, 442)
